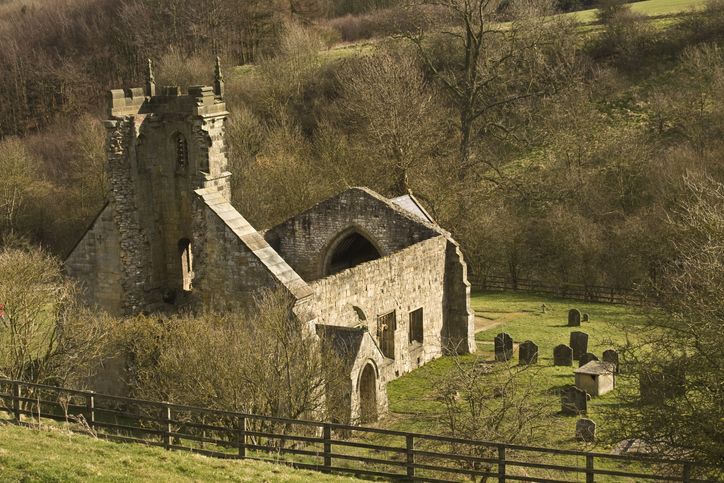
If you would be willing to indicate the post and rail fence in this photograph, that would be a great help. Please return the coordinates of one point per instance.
(586, 293)
(327, 447)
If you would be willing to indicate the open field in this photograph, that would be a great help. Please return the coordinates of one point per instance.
(413, 401)
(651, 8)
(57, 455)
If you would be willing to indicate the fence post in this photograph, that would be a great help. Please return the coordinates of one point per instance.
(90, 405)
(410, 456)
(589, 468)
(166, 425)
(242, 437)
(686, 477)
(16, 401)
(327, 437)
(501, 464)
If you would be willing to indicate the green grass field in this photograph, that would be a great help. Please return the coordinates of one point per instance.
(651, 8)
(412, 398)
(54, 455)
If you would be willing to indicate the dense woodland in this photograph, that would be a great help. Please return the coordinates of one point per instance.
(557, 156)
(551, 150)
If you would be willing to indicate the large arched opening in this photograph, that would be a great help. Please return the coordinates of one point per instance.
(350, 249)
(368, 394)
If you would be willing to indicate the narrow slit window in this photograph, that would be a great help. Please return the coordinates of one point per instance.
(416, 326)
(182, 151)
(187, 261)
(386, 326)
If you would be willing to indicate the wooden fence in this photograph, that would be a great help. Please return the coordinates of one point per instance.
(588, 293)
(326, 447)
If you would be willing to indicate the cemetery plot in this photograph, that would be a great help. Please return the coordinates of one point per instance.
(539, 336)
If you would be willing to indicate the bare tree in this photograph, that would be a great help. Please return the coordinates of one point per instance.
(388, 102)
(677, 358)
(487, 401)
(265, 361)
(485, 64)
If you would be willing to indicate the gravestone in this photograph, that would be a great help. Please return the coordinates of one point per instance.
(586, 317)
(579, 344)
(574, 401)
(503, 347)
(611, 356)
(574, 318)
(586, 358)
(562, 355)
(527, 353)
(586, 430)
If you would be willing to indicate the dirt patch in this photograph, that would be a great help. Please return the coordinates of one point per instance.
(486, 322)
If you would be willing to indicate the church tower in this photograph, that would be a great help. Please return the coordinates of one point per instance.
(162, 146)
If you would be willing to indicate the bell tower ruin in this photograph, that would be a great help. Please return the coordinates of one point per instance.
(162, 145)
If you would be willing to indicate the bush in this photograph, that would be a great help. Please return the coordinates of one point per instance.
(45, 335)
(259, 361)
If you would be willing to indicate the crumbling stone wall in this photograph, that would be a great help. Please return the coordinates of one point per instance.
(121, 135)
(304, 240)
(459, 332)
(401, 282)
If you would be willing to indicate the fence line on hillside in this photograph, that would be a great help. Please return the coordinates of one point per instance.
(587, 293)
(326, 447)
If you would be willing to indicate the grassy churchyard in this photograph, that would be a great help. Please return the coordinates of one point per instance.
(413, 398)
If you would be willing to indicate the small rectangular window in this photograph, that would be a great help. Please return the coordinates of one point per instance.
(416, 326)
(386, 326)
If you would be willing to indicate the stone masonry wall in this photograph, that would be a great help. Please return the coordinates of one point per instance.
(404, 281)
(303, 241)
(227, 273)
(133, 244)
(95, 262)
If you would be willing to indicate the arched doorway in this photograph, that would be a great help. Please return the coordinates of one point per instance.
(350, 250)
(368, 395)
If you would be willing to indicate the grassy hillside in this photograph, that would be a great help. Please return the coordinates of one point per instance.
(57, 455)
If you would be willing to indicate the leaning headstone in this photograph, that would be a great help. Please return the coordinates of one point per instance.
(527, 353)
(573, 401)
(503, 347)
(586, 430)
(574, 318)
(586, 358)
(611, 356)
(586, 317)
(579, 344)
(562, 355)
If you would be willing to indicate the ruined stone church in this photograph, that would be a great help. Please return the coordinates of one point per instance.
(377, 276)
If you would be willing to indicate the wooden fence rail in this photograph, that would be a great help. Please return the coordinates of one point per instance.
(588, 293)
(328, 447)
